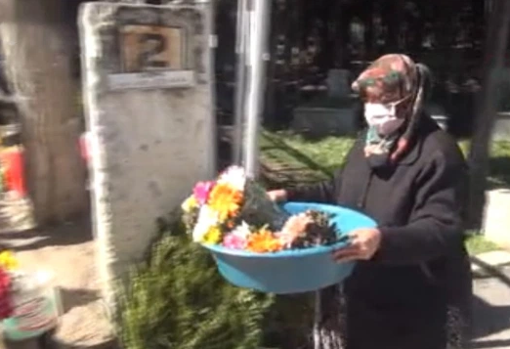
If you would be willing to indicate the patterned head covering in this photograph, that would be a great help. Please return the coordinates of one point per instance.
(393, 78)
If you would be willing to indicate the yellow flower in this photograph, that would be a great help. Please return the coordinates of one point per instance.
(8, 261)
(189, 204)
(225, 200)
(213, 236)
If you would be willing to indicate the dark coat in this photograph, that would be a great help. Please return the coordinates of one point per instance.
(400, 298)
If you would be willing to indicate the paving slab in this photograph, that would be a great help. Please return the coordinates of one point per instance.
(484, 262)
(492, 311)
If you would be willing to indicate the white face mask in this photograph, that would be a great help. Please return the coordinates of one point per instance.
(383, 117)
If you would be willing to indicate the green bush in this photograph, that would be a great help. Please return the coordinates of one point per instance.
(178, 300)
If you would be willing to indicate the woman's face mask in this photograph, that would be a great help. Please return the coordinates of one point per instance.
(383, 117)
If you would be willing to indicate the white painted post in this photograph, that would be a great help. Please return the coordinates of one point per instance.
(149, 109)
(242, 31)
(260, 13)
(496, 224)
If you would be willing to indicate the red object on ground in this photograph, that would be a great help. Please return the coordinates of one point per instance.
(12, 161)
(6, 308)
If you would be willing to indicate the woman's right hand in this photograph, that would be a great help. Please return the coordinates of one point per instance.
(278, 195)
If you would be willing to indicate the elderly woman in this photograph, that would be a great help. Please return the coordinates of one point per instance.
(411, 287)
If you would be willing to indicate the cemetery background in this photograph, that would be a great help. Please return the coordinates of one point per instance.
(297, 77)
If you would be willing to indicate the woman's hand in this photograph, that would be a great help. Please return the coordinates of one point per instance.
(278, 195)
(364, 244)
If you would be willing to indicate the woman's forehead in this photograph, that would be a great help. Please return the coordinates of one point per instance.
(376, 95)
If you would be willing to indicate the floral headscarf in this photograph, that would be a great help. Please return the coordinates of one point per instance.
(393, 78)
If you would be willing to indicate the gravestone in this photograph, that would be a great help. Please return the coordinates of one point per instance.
(338, 83)
(501, 130)
(496, 222)
(320, 121)
(149, 108)
(333, 114)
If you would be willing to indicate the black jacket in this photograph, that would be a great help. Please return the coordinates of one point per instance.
(422, 266)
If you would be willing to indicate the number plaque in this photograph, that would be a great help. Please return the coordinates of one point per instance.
(149, 47)
(152, 57)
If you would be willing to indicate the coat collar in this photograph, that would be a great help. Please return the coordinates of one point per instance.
(425, 127)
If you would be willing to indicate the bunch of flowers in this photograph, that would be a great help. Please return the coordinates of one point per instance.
(235, 211)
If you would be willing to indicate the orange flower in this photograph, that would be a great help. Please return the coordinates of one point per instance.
(225, 200)
(263, 241)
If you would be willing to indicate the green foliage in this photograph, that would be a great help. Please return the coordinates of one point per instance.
(290, 159)
(499, 163)
(476, 244)
(178, 300)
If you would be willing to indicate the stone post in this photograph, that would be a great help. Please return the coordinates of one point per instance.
(149, 110)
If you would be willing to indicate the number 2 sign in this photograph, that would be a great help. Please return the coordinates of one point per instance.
(147, 48)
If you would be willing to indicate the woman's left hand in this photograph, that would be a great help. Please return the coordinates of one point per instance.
(364, 244)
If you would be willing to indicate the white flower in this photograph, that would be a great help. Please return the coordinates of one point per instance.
(207, 218)
(242, 230)
(235, 177)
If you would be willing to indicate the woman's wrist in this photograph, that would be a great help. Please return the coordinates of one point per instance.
(278, 195)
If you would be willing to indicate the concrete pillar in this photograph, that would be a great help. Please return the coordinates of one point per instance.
(150, 116)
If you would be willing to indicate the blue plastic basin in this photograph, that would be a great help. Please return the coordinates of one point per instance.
(292, 271)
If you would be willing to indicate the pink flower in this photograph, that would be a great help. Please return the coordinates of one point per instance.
(201, 191)
(234, 241)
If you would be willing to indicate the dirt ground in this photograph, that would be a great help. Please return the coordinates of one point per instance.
(67, 251)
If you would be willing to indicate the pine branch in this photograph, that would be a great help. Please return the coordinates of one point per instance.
(178, 300)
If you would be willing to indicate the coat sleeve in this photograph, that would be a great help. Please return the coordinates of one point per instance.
(323, 192)
(435, 226)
